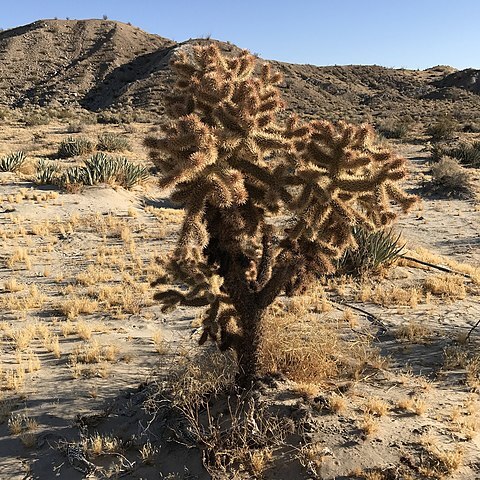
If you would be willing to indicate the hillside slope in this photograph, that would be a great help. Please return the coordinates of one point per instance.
(102, 64)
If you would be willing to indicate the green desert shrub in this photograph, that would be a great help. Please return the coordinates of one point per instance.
(450, 179)
(36, 119)
(443, 129)
(12, 162)
(74, 146)
(73, 176)
(375, 249)
(114, 118)
(111, 142)
(130, 174)
(75, 127)
(395, 128)
(467, 154)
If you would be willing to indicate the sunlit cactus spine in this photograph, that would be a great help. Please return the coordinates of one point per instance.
(235, 167)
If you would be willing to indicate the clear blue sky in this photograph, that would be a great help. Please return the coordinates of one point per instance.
(393, 33)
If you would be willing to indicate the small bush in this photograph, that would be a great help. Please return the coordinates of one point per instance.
(110, 142)
(395, 128)
(375, 249)
(36, 119)
(114, 118)
(443, 129)
(72, 147)
(75, 127)
(12, 162)
(437, 152)
(449, 178)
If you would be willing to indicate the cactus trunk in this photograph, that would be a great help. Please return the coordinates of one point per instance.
(248, 349)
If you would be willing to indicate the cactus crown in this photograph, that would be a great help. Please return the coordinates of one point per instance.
(237, 170)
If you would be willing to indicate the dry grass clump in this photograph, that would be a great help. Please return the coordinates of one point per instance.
(447, 286)
(413, 331)
(19, 255)
(74, 306)
(389, 296)
(239, 439)
(368, 425)
(98, 444)
(414, 405)
(376, 406)
(93, 275)
(161, 346)
(439, 463)
(18, 423)
(336, 403)
(427, 256)
(307, 348)
(466, 421)
(12, 285)
(27, 300)
(94, 352)
(123, 298)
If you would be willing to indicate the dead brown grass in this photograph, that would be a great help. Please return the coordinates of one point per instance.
(307, 347)
(447, 286)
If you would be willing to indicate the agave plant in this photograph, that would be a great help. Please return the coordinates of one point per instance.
(100, 168)
(111, 142)
(73, 176)
(72, 147)
(129, 174)
(12, 162)
(375, 249)
(46, 173)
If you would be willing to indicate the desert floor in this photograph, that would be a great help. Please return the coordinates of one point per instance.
(82, 339)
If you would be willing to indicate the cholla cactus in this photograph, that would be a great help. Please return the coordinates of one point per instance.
(235, 167)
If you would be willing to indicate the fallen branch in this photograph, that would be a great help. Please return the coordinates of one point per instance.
(471, 330)
(370, 317)
(432, 265)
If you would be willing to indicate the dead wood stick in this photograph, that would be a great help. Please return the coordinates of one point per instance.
(471, 330)
(432, 265)
(370, 316)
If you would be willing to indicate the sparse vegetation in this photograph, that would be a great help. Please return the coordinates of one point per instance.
(350, 365)
(101, 168)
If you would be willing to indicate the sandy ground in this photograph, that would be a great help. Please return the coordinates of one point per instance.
(62, 368)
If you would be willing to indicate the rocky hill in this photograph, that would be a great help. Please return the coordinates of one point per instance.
(102, 64)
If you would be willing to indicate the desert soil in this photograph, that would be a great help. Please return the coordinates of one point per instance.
(80, 333)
